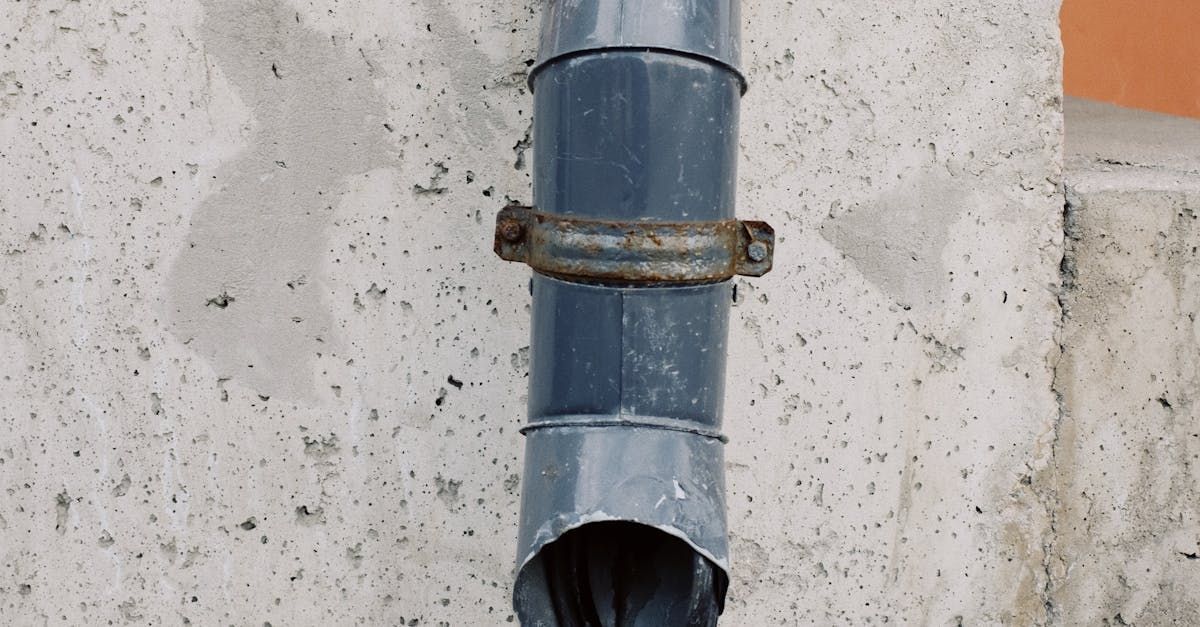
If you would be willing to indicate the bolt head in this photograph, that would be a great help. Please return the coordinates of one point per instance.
(511, 230)
(756, 251)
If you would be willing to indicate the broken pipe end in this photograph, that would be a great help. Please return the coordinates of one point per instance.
(622, 526)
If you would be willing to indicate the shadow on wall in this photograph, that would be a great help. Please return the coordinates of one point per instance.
(246, 292)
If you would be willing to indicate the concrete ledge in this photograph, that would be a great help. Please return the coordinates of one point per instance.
(1110, 147)
(1128, 484)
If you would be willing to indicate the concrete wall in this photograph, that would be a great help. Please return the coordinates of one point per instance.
(261, 365)
(1128, 515)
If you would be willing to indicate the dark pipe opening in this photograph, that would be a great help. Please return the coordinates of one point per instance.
(623, 574)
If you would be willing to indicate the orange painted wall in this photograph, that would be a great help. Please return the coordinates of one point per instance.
(1136, 53)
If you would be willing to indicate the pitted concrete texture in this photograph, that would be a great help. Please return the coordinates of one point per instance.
(261, 365)
(1128, 517)
(890, 400)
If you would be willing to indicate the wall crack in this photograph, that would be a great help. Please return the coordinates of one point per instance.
(1047, 490)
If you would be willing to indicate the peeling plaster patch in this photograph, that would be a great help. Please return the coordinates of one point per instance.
(470, 69)
(896, 242)
(267, 224)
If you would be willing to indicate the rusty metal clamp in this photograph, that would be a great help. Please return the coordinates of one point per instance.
(634, 252)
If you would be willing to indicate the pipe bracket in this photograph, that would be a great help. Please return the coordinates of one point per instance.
(633, 252)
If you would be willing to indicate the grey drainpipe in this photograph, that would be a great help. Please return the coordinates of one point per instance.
(633, 241)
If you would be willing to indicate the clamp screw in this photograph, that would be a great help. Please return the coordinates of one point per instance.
(756, 251)
(511, 230)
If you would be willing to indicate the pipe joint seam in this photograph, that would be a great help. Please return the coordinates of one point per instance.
(623, 421)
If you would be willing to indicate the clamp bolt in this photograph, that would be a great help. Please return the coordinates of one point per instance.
(511, 230)
(756, 251)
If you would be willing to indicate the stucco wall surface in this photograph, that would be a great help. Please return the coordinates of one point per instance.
(261, 366)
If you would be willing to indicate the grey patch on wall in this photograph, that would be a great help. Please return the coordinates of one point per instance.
(251, 265)
(470, 73)
(896, 242)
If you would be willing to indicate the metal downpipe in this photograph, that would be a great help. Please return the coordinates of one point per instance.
(633, 240)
